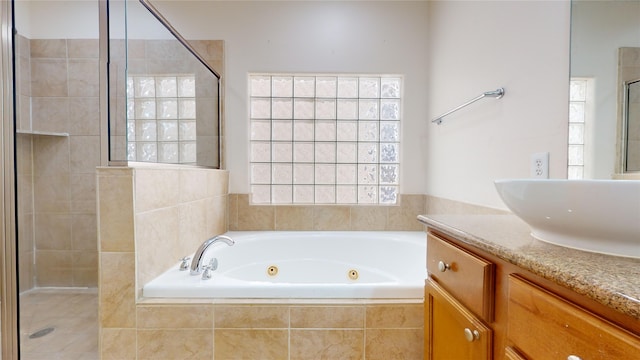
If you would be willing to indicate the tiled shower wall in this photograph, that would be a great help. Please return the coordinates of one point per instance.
(58, 149)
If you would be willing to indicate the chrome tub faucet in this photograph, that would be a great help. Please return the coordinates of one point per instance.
(196, 264)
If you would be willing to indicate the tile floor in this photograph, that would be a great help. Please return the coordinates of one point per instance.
(73, 313)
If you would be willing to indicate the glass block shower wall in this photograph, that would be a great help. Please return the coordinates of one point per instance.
(161, 119)
(321, 139)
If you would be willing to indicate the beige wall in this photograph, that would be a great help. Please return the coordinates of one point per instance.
(58, 150)
(477, 46)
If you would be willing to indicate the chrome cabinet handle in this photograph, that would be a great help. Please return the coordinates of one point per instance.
(471, 335)
(574, 357)
(443, 266)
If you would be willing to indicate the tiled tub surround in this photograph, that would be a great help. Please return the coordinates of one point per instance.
(244, 216)
(609, 280)
(216, 331)
(149, 214)
(57, 87)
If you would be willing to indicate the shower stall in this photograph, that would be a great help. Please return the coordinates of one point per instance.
(92, 83)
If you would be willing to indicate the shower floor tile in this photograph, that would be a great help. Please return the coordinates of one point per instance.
(73, 316)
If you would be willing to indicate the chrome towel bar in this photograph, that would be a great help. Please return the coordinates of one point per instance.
(496, 94)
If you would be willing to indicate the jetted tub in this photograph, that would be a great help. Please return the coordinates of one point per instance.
(370, 265)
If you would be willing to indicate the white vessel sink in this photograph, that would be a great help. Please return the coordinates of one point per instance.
(601, 216)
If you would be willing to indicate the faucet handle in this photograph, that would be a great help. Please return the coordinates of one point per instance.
(206, 272)
(213, 264)
(185, 263)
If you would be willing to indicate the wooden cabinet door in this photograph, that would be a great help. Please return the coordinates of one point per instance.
(542, 325)
(451, 331)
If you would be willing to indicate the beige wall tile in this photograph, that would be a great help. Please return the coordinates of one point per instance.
(115, 210)
(85, 154)
(175, 316)
(85, 268)
(83, 77)
(404, 216)
(332, 218)
(51, 155)
(50, 114)
(83, 194)
(371, 218)
(48, 48)
(54, 268)
(232, 212)
(49, 77)
(26, 271)
(217, 182)
(193, 184)
(24, 154)
(209, 49)
(395, 316)
(84, 116)
(192, 225)
(165, 49)
(51, 193)
(251, 344)
(327, 317)
(216, 209)
(117, 290)
(384, 344)
(175, 344)
(251, 317)
(254, 217)
(118, 344)
(156, 188)
(327, 344)
(83, 48)
(294, 217)
(157, 242)
(84, 234)
(53, 231)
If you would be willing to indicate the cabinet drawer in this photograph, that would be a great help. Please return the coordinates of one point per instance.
(466, 276)
(543, 326)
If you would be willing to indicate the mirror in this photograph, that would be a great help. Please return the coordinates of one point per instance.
(599, 29)
(631, 129)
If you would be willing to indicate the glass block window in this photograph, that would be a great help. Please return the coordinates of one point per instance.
(161, 119)
(578, 90)
(325, 139)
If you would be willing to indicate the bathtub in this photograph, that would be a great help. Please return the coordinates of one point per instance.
(290, 265)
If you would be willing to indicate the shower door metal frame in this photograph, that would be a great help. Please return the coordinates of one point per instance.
(8, 259)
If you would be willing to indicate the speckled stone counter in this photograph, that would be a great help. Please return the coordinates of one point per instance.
(611, 280)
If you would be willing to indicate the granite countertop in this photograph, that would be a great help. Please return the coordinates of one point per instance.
(610, 280)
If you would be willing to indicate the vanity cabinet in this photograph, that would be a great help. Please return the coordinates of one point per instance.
(479, 306)
(458, 297)
(452, 331)
(542, 325)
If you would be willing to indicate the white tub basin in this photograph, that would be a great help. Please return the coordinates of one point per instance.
(601, 216)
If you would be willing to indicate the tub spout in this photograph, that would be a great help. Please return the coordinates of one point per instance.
(196, 264)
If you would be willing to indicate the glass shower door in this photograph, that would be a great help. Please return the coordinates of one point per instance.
(57, 148)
